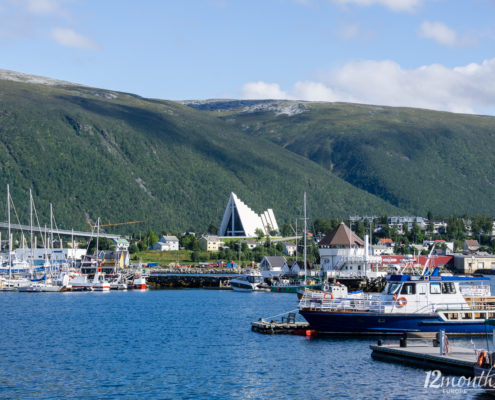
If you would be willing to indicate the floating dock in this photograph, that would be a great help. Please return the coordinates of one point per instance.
(458, 359)
(271, 328)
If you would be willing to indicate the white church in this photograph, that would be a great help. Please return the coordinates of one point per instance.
(240, 220)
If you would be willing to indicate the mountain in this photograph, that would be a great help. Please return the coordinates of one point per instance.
(100, 153)
(417, 160)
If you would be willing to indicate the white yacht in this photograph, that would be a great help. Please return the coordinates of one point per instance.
(250, 282)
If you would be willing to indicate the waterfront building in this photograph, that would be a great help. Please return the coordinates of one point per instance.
(56, 254)
(343, 253)
(469, 263)
(209, 243)
(114, 258)
(166, 243)
(271, 266)
(240, 220)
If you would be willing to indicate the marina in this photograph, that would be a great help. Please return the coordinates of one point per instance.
(183, 344)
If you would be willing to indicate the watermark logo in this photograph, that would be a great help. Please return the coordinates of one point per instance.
(459, 384)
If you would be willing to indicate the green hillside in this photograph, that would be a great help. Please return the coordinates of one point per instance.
(96, 153)
(417, 160)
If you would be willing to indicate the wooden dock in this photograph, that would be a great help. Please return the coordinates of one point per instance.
(458, 359)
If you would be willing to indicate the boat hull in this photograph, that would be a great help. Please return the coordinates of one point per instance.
(367, 323)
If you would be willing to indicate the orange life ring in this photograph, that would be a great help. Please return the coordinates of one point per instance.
(402, 301)
(326, 295)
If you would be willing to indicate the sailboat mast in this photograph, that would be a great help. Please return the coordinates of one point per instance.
(31, 224)
(296, 240)
(51, 226)
(10, 239)
(305, 228)
(97, 242)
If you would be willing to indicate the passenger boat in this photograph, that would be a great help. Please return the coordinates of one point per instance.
(425, 303)
(250, 282)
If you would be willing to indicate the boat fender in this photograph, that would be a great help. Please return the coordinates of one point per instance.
(402, 301)
(328, 294)
(482, 358)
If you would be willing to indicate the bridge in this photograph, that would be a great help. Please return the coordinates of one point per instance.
(27, 228)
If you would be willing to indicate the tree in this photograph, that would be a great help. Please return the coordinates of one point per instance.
(195, 256)
(322, 226)
(212, 229)
(259, 233)
(429, 216)
(189, 242)
(286, 230)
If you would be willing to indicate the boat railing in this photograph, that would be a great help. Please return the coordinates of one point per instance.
(315, 301)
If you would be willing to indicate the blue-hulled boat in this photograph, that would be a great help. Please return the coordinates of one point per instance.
(427, 303)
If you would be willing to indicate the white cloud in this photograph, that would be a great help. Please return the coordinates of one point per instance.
(47, 7)
(465, 89)
(394, 5)
(441, 33)
(70, 38)
(262, 90)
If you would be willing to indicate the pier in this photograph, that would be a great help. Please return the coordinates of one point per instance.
(287, 325)
(190, 279)
(458, 359)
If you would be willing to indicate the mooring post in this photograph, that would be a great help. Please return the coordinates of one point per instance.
(442, 342)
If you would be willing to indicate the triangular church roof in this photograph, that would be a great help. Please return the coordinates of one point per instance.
(341, 236)
(240, 220)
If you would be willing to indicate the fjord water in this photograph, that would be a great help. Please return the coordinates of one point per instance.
(183, 344)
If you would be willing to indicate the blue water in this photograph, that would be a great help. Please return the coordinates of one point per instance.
(184, 344)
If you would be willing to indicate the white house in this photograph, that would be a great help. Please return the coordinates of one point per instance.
(209, 243)
(271, 266)
(166, 243)
(343, 253)
(289, 248)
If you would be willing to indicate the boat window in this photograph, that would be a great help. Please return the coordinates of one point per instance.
(421, 288)
(467, 315)
(479, 315)
(448, 287)
(393, 288)
(435, 288)
(452, 316)
(491, 315)
(408, 288)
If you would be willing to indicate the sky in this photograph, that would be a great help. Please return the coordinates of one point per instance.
(435, 54)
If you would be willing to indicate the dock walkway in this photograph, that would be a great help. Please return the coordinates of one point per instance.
(458, 358)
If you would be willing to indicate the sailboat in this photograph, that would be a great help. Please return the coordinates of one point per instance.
(301, 285)
(100, 284)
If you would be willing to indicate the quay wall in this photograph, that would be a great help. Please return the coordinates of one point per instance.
(190, 279)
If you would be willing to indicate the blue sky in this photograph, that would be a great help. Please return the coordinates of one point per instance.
(436, 54)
